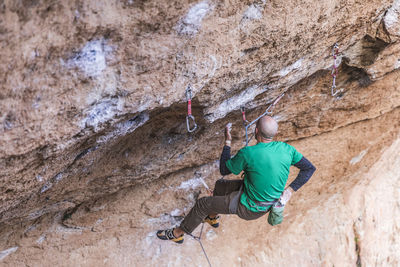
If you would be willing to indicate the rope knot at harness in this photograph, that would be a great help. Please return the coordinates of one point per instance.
(189, 116)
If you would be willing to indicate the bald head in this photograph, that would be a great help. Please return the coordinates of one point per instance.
(267, 127)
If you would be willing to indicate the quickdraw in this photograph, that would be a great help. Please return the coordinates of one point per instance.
(189, 116)
(335, 53)
(269, 110)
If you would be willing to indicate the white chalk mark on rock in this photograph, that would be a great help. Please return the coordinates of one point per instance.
(291, 68)
(191, 23)
(41, 239)
(92, 58)
(211, 235)
(253, 12)
(397, 64)
(46, 187)
(102, 112)
(234, 103)
(392, 16)
(58, 177)
(125, 127)
(358, 158)
(176, 212)
(7, 252)
(191, 184)
(165, 219)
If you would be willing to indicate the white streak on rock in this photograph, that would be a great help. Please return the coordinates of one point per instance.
(392, 16)
(46, 187)
(92, 58)
(291, 68)
(102, 112)
(77, 14)
(41, 239)
(191, 184)
(125, 127)
(358, 158)
(211, 235)
(58, 177)
(7, 252)
(397, 64)
(234, 103)
(165, 219)
(191, 23)
(176, 212)
(391, 20)
(253, 12)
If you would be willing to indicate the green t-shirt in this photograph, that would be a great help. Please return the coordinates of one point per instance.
(266, 167)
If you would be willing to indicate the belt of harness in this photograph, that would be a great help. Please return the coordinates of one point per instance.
(189, 116)
(234, 203)
(264, 204)
(267, 112)
(275, 209)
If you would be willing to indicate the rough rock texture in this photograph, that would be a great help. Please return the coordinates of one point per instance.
(95, 155)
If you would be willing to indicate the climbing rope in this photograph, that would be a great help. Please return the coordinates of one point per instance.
(189, 116)
(335, 53)
(198, 238)
(267, 112)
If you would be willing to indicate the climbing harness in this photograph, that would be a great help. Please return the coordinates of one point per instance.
(198, 238)
(189, 115)
(335, 53)
(269, 110)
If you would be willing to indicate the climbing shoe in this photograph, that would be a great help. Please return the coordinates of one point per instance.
(169, 235)
(212, 221)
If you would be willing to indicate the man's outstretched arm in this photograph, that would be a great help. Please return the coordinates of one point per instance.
(306, 171)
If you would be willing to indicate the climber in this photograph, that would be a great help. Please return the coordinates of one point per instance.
(266, 169)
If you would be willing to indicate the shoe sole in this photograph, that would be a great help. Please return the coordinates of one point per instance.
(165, 238)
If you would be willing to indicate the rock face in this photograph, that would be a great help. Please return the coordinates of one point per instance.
(95, 155)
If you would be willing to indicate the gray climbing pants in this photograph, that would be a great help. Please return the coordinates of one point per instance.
(225, 200)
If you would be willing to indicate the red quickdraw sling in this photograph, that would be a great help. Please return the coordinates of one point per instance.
(189, 116)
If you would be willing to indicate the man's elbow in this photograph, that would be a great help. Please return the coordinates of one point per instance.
(313, 169)
(224, 172)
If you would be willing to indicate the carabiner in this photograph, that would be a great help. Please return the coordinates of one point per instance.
(188, 118)
(189, 112)
(335, 50)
